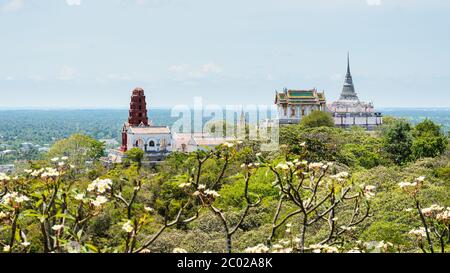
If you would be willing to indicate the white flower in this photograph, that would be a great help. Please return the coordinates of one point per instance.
(429, 212)
(26, 244)
(61, 164)
(64, 158)
(28, 171)
(404, 184)
(370, 191)
(282, 166)
(9, 198)
(318, 248)
(347, 228)
(179, 250)
(315, 166)
(303, 144)
(212, 193)
(185, 185)
(201, 187)
(55, 159)
(128, 227)
(419, 233)
(57, 227)
(420, 179)
(149, 209)
(37, 173)
(102, 185)
(50, 172)
(6, 248)
(79, 196)
(92, 186)
(3, 215)
(444, 216)
(100, 200)
(4, 177)
(21, 199)
(228, 144)
(355, 250)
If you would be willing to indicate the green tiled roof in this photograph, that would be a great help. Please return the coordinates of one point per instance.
(300, 97)
(300, 93)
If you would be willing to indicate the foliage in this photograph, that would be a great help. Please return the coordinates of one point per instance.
(317, 119)
(79, 148)
(429, 141)
(397, 141)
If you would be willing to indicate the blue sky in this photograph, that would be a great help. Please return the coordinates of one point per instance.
(92, 53)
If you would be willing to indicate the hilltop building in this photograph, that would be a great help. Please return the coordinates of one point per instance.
(349, 111)
(293, 105)
(138, 132)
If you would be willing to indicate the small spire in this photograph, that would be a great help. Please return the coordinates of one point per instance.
(348, 62)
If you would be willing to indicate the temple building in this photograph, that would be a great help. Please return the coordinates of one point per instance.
(349, 111)
(293, 105)
(138, 132)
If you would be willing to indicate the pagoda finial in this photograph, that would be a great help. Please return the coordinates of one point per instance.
(348, 62)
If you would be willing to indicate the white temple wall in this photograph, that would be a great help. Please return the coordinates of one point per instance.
(144, 139)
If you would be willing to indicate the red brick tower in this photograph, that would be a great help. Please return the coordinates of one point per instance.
(137, 115)
(138, 109)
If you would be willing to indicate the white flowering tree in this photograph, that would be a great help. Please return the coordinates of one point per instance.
(318, 197)
(44, 196)
(435, 219)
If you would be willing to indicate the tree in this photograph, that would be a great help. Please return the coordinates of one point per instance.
(317, 119)
(79, 148)
(135, 155)
(397, 141)
(429, 141)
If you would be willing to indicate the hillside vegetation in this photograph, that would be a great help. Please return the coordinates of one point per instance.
(325, 190)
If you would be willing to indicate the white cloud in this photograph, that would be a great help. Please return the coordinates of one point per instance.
(374, 2)
(178, 67)
(67, 73)
(13, 5)
(211, 68)
(73, 2)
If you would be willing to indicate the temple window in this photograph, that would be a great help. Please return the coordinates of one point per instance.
(152, 144)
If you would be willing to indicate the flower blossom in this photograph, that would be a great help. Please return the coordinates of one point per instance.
(50, 173)
(212, 193)
(57, 227)
(79, 196)
(282, 166)
(102, 185)
(185, 185)
(100, 200)
(419, 233)
(444, 216)
(179, 250)
(128, 227)
(431, 211)
(4, 177)
(13, 197)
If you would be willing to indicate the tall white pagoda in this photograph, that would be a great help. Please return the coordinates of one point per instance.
(349, 111)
